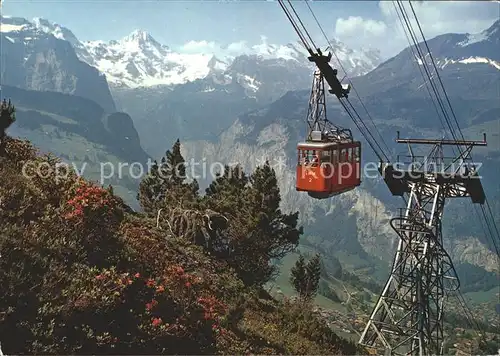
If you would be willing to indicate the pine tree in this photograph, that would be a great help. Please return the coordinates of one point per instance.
(258, 231)
(270, 233)
(277, 232)
(313, 275)
(173, 165)
(305, 277)
(227, 193)
(151, 189)
(7, 118)
(298, 277)
(166, 186)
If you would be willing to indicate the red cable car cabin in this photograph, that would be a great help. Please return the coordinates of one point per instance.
(325, 169)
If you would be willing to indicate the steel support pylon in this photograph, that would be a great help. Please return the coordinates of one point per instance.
(317, 121)
(408, 316)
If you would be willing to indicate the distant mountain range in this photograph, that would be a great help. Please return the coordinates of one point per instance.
(36, 60)
(166, 93)
(138, 60)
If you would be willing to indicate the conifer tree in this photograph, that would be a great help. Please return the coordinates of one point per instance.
(7, 118)
(227, 195)
(227, 192)
(150, 190)
(298, 277)
(277, 233)
(173, 165)
(305, 277)
(166, 186)
(258, 231)
(271, 234)
(313, 273)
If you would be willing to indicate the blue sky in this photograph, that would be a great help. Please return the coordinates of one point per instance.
(357, 23)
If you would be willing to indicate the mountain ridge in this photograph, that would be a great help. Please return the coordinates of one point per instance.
(138, 60)
(37, 60)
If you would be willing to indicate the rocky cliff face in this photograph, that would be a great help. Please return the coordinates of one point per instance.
(368, 215)
(372, 229)
(471, 250)
(36, 60)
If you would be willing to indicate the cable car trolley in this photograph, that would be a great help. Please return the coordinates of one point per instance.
(329, 161)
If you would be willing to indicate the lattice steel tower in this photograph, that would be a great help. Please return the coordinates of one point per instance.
(318, 126)
(408, 316)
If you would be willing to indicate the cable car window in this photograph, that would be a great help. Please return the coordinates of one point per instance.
(325, 156)
(304, 156)
(315, 157)
(349, 154)
(357, 156)
(335, 155)
(342, 155)
(308, 156)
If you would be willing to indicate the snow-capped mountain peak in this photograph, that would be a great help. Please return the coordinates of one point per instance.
(491, 34)
(56, 30)
(139, 60)
(140, 39)
(139, 35)
(13, 24)
(469, 49)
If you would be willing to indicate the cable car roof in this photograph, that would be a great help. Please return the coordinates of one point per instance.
(324, 145)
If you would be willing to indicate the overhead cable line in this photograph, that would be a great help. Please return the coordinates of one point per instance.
(490, 230)
(494, 223)
(491, 216)
(305, 30)
(470, 316)
(426, 83)
(350, 82)
(369, 132)
(426, 69)
(437, 72)
(295, 26)
(350, 111)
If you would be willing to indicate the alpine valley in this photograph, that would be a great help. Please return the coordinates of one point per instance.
(128, 100)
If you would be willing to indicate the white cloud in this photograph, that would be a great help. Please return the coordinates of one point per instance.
(435, 18)
(357, 26)
(231, 50)
(204, 47)
(438, 17)
(198, 47)
(238, 47)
